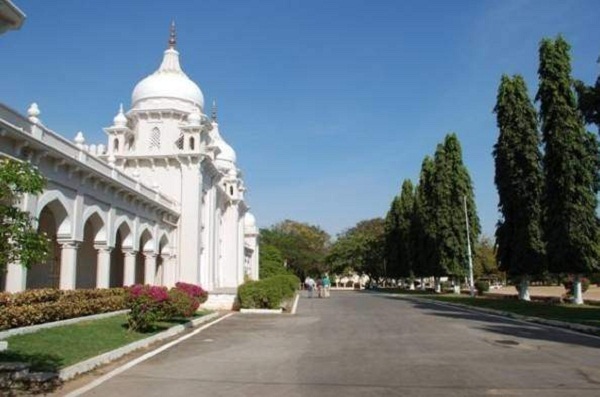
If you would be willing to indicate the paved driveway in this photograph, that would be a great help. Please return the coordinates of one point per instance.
(357, 343)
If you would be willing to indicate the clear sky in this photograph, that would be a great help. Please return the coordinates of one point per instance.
(329, 104)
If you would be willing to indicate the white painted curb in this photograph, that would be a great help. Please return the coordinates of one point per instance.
(140, 359)
(295, 306)
(261, 311)
(104, 358)
(34, 328)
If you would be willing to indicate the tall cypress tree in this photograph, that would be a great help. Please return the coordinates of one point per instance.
(423, 226)
(404, 216)
(588, 101)
(519, 179)
(571, 227)
(392, 240)
(452, 185)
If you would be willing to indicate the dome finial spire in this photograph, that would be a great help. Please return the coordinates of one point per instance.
(172, 35)
(214, 111)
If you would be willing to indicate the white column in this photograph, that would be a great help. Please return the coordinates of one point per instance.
(169, 264)
(150, 268)
(16, 277)
(129, 271)
(68, 264)
(103, 266)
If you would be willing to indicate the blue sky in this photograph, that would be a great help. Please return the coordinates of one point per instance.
(329, 104)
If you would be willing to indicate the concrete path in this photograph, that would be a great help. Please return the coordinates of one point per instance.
(358, 343)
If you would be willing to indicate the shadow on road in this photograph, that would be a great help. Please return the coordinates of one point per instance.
(502, 326)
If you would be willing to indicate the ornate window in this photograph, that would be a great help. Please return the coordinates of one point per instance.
(179, 142)
(116, 145)
(192, 143)
(155, 139)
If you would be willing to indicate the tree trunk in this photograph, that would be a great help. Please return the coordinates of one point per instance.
(524, 289)
(577, 293)
(411, 285)
(438, 285)
(422, 284)
(456, 285)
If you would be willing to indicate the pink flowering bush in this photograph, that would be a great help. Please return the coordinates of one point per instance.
(147, 304)
(186, 298)
(194, 291)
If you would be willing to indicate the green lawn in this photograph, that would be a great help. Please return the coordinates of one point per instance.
(581, 314)
(54, 348)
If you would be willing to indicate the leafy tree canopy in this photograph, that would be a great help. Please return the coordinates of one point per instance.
(19, 240)
(303, 246)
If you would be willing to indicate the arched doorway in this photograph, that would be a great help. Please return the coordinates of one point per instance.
(146, 248)
(117, 256)
(87, 255)
(53, 220)
(163, 254)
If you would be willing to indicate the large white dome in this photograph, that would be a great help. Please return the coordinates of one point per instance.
(169, 81)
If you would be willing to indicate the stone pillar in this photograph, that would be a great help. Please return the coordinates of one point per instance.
(150, 268)
(16, 277)
(68, 264)
(103, 266)
(129, 271)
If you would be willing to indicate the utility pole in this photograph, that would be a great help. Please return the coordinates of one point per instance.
(471, 286)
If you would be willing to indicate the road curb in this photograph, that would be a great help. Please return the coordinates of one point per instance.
(105, 358)
(585, 329)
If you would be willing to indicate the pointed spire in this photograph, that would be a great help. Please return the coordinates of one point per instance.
(214, 111)
(172, 36)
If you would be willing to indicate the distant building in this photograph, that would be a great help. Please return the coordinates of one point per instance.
(162, 201)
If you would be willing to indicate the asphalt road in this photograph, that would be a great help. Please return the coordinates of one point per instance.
(365, 344)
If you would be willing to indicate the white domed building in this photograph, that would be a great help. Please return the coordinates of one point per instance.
(164, 193)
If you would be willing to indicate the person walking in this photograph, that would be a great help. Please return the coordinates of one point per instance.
(326, 286)
(309, 283)
(319, 287)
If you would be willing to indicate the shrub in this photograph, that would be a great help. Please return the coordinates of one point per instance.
(482, 286)
(16, 312)
(181, 304)
(570, 285)
(147, 305)
(194, 291)
(267, 293)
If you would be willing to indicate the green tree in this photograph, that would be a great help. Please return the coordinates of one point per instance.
(588, 101)
(404, 216)
(19, 240)
(271, 261)
(484, 259)
(302, 245)
(392, 239)
(361, 249)
(571, 227)
(423, 228)
(451, 185)
(519, 180)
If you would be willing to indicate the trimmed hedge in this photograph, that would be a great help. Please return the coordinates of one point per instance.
(268, 293)
(39, 306)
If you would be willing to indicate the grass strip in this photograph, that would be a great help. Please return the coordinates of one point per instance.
(578, 314)
(53, 348)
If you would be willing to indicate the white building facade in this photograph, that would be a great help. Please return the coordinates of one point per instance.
(162, 201)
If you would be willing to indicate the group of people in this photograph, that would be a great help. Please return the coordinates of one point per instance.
(322, 285)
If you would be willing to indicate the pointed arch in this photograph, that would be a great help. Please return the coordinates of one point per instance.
(124, 226)
(97, 217)
(57, 204)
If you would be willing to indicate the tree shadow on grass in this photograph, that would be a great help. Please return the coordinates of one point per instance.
(509, 327)
(39, 361)
(161, 325)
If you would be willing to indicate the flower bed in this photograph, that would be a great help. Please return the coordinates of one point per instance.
(40, 306)
(150, 304)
